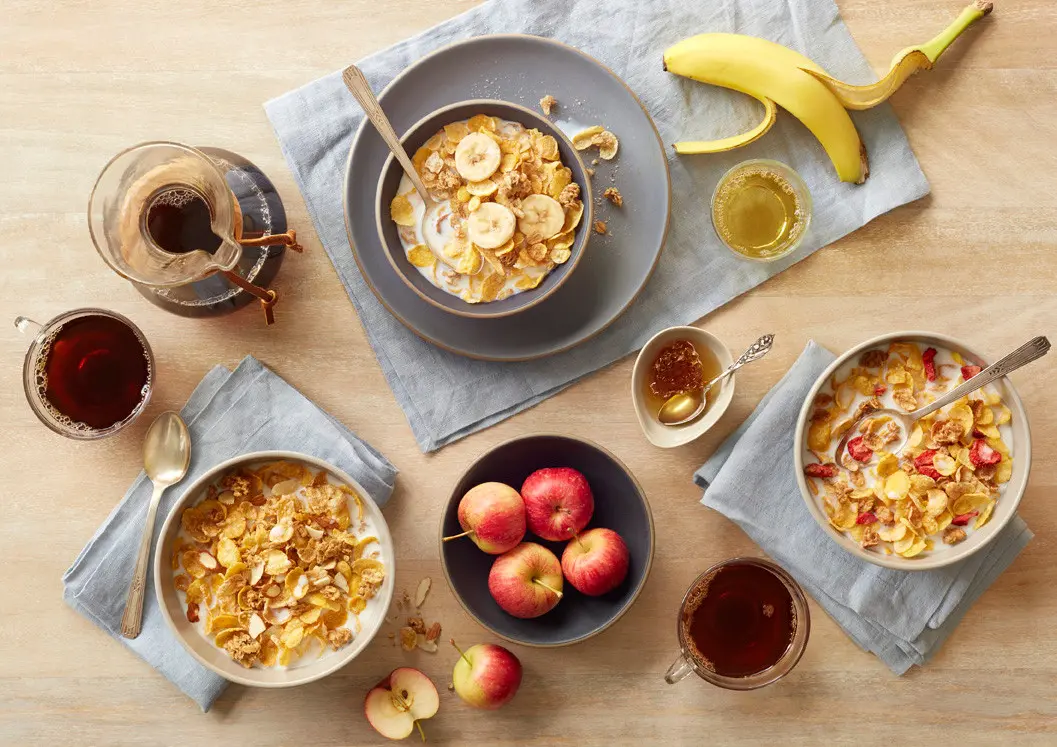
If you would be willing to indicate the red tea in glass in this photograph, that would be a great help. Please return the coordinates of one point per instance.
(743, 624)
(88, 372)
(740, 620)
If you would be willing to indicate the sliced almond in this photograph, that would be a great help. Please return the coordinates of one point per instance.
(422, 591)
(341, 583)
(256, 626)
(227, 498)
(272, 591)
(427, 645)
(207, 561)
(314, 532)
(256, 572)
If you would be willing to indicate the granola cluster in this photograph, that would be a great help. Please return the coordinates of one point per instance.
(274, 558)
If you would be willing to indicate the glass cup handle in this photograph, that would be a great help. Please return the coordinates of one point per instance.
(25, 325)
(679, 670)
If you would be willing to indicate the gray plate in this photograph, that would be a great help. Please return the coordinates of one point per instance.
(615, 267)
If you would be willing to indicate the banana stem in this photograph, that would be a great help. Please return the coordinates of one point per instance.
(972, 13)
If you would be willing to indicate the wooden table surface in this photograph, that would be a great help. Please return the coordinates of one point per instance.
(976, 259)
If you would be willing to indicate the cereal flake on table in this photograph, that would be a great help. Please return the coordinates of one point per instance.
(605, 140)
(547, 104)
(950, 474)
(601, 227)
(613, 195)
(273, 556)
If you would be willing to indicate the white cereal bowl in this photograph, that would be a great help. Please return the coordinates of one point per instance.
(669, 436)
(1004, 509)
(215, 659)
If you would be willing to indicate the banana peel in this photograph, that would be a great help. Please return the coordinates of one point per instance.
(770, 114)
(906, 63)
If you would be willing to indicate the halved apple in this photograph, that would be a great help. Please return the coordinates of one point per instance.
(396, 704)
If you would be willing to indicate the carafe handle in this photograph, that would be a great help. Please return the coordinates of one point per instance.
(27, 326)
(678, 671)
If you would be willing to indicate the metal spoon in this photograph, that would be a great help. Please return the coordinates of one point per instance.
(361, 89)
(686, 406)
(1023, 355)
(166, 454)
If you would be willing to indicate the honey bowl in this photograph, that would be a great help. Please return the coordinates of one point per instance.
(715, 357)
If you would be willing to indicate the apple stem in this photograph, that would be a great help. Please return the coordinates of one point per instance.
(581, 544)
(456, 536)
(547, 587)
(420, 729)
(452, 642)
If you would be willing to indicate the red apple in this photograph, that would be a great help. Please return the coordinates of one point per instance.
(493, 516)
(526, 581)
(558, 502)
(486, 675)
(596, 561)
(396, 704)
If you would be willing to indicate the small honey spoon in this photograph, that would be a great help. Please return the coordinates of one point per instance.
(681, 408)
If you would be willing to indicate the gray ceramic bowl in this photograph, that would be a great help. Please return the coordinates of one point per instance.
(620, 505)
(389, 181)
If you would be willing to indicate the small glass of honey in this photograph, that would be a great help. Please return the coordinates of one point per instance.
(761, 210)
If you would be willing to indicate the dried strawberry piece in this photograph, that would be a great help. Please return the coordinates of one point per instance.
(980, 453)
(969, 372)
(821, 470)
(963, 519)
(923, 463)
(867, 518)
(929, 359)
(977, 433)
(879, 390)
(858, 450)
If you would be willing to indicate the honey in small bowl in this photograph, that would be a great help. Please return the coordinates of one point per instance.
(761, 210)
(679, 368)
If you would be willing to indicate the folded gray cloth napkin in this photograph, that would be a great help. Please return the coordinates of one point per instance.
(901, 616)
(315, 126)
(229, 413)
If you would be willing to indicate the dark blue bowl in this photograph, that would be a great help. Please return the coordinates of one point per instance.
(620, 505)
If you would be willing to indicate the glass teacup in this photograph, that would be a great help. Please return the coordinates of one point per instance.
(88, 372)
(743, 624)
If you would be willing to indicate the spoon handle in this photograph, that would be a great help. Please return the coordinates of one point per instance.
(1022, 356)
(756, 351)
(132, 620)
(361, 89)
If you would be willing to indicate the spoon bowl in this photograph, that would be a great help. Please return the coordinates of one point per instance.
(167, 450)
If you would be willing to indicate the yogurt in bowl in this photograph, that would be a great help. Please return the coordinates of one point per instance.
(951, 487)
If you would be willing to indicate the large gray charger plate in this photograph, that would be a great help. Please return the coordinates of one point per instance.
(615, 268)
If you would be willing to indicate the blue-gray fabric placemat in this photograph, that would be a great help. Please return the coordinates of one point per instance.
(901, 616)
(229, 413)
(315, 126)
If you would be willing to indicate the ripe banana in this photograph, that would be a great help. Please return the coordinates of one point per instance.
(771, 73)
(905, 63)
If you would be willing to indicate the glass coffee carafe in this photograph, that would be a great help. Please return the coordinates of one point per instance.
(198, 231)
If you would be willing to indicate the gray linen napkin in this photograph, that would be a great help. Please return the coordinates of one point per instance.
(316, 123)
(903, 617)
(229, 413)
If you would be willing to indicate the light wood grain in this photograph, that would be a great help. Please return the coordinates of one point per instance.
(975, 259)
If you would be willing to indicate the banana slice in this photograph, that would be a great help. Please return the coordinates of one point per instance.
(477, 157)
(491, 225)
(543, 216)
